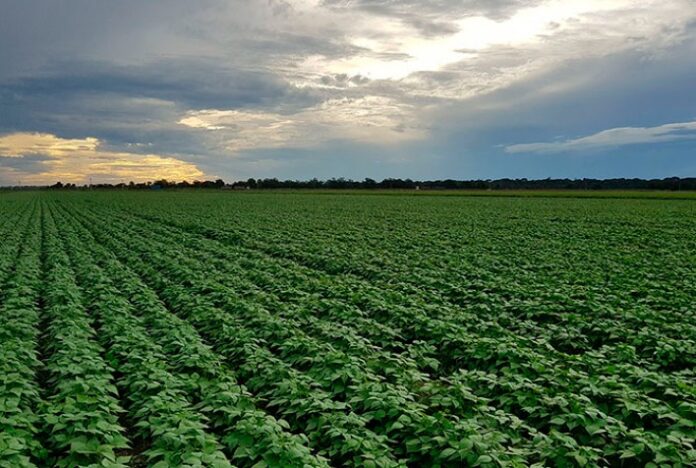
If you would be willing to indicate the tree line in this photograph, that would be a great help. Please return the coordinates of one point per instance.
(670, 183)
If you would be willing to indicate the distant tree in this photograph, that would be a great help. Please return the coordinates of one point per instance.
(269, 183)
(369, 183)
(163, 183)
(669, 183)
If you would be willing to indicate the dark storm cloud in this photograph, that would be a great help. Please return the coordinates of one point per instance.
(191, 83)
(26, 163)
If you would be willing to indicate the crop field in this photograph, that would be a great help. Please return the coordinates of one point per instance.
(204, 328)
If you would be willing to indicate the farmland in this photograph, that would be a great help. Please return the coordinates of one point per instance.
(299, 329)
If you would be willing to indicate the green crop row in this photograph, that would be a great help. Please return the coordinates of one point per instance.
(157, 405)
(391, 409)
(617, 409)
(186, 329)
(330, 426)
(81, 413)
(19, 363)
(249, 435)
(614, 439)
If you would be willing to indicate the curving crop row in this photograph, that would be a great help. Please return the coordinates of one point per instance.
(616, 405)
(331, 427)
(333, 323)
(577, 416)
(629, 407)
(250, 436)
(392, 410)
(637, 398)
(19, 364)
(157, 404)
(546, 308)
(81, 412)
(554, 309)
(330, 330)
(12, 226)
(486, 315)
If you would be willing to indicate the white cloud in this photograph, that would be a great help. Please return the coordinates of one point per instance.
(77, 160)
(474, 34)
(370, 119)
(612, 138)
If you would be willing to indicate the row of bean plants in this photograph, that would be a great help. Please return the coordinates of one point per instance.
(586, 420)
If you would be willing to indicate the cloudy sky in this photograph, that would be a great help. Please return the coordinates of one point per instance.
(137, 90)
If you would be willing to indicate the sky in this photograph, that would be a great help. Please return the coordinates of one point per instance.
(108, 92)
